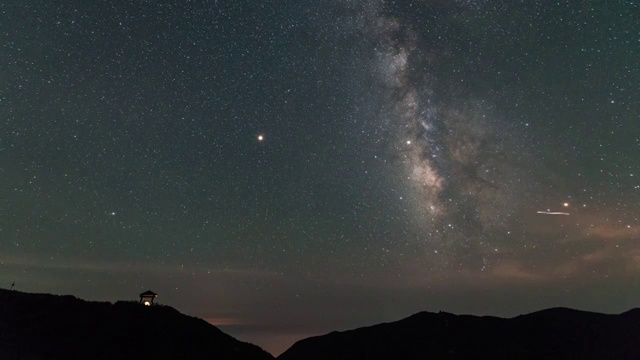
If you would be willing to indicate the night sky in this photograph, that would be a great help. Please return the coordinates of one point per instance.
(287, 168)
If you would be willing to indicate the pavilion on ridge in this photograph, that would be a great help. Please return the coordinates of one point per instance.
(146, 298)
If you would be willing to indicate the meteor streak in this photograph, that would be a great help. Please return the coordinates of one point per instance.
(552, 213)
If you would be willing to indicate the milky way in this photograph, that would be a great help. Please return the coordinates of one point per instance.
(457, 156)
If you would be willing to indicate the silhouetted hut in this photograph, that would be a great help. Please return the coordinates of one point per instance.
(147, 297)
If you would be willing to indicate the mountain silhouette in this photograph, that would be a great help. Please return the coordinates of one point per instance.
(557, 333)
(43, 326)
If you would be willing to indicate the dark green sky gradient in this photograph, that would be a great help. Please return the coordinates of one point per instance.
(384, 186)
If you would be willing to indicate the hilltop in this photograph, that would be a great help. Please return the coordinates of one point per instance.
(43, 326)
(557, 333)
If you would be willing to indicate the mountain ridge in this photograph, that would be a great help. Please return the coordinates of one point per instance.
(556, 333)
(45, 326)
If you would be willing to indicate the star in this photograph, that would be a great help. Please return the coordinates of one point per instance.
(260, 137)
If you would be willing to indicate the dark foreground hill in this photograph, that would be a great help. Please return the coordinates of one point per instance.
(549, 334)
(42, 326)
